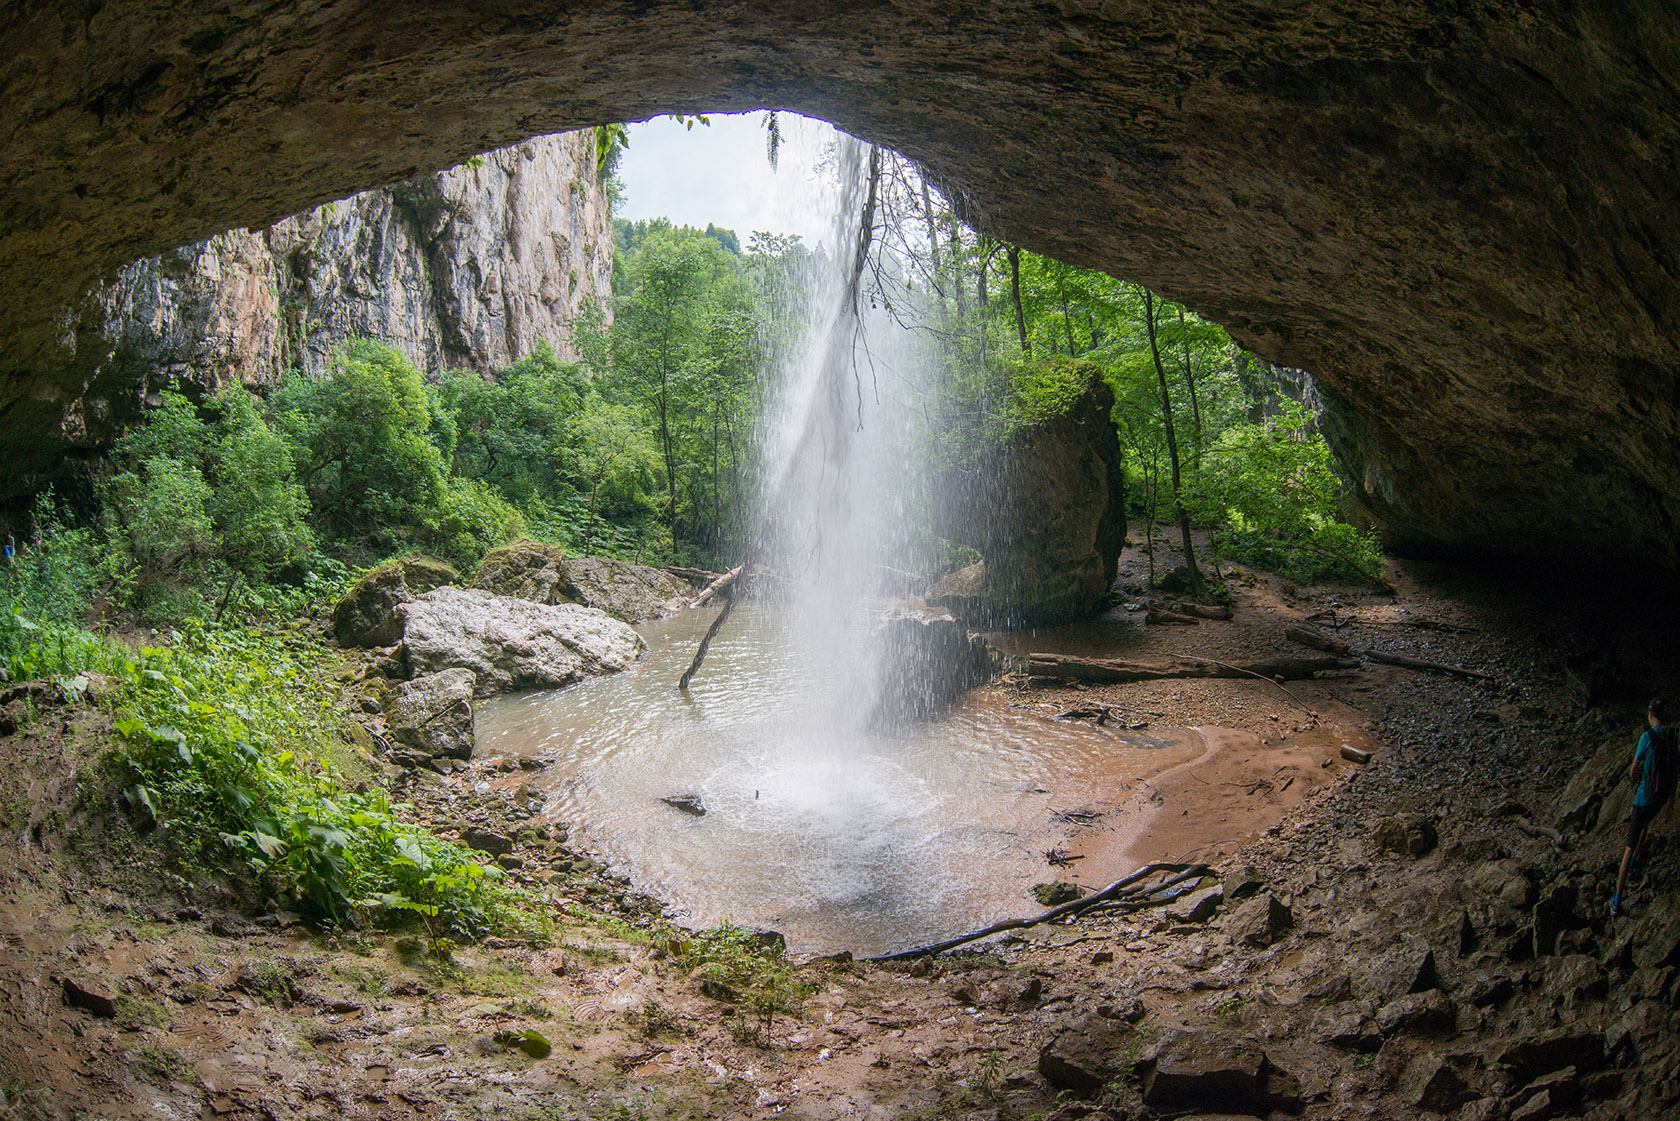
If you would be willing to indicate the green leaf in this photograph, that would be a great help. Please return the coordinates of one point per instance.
(529, 1041)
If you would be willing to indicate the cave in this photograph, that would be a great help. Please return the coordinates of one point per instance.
(1457, 217)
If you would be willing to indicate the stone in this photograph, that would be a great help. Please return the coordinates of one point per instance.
(1240, 882)
(1571, 979)
(523, 569)
(1045, 508)
(1554, 913)
(687, 803)
(433, 713)
(1104, 139)
(89, 997)
(512, 644)
(1196, 906)
(367, 615)
(1433, 1082)
(487, 841)
(1427, 1013)
(1656, 938)
(1405, 969)
(634, 593)
(923, 661)
(1348, 1026)
(1524, 1060)
(1057, 892)
(1259, 922)
(1407, 833)
(1195, 1070)
(1083, 1055)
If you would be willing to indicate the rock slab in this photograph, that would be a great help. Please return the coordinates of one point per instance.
(512, 644)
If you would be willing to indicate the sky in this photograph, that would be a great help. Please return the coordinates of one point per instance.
(719, 173)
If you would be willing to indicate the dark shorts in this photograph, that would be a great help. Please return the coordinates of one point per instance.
(1642, 816)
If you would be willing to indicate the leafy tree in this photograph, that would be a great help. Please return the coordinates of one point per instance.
(258, 508)
(363, 442)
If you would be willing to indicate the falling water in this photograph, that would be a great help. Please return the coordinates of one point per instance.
(839, 829)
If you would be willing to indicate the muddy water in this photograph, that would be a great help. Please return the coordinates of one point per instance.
(865, 842)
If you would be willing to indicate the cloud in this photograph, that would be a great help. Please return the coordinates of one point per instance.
(719, 174)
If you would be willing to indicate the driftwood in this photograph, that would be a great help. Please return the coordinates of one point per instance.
(1318, 640)
(705, 644)
(1123, 893)
(1114, 670)
(719, 586)
(1307, 636)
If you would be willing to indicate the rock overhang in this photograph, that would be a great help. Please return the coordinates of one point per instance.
(1458, 217)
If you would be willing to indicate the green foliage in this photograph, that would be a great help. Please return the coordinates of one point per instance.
(223, 741)
(471, 520)
(363, 442)
(748, 968)
(1272, 486)
(53, 579)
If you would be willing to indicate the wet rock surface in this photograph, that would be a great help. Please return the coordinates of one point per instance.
(511, 644)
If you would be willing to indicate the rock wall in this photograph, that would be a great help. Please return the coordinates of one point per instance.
(1458, 216)
(469, 268)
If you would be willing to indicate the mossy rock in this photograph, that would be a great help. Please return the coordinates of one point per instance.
(524, 569)
(367, 615)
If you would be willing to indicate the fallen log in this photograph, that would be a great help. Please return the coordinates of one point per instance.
(1113, 893)
(1307, 636)
(1111, 670)
(1160, 616)
(719, 586)
(1318, 640)
(1202, 610)
(697, 576)
(1421, 664)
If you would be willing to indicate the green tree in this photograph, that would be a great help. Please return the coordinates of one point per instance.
(363, 442)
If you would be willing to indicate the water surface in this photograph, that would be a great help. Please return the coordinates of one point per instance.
(839, 836)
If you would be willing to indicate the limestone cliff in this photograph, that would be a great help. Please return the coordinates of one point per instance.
(467, 268)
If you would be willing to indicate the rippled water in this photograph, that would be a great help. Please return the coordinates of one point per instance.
(838, 838)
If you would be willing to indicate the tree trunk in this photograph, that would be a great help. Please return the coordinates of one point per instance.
(1196, 586)
(1015, 294)
(1190, 383)
(1115, 670)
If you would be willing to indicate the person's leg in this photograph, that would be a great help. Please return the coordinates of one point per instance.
(1621, 878)
(1636, 834)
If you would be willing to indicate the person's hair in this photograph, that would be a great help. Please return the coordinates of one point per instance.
(1655, 708)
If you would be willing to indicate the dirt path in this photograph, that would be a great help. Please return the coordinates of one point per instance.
(1344, 967)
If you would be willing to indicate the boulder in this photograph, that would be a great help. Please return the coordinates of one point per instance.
(512, 644)
(1260, 922)
(924, 660)
(631, 592)
(367, 614)
(1199, 1071)
(1407, 833)
(1656, 938)
(542, 573)
(1436, 1083)
(1082, 1056)
(433, 713)
(1195, 906)
(523, 569)
(1524, 1060)
(1045, 508)
(1554, 913)
(1057, 892)
(1425, 1013)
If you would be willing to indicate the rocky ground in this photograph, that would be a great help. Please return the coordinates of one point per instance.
(1428, 936)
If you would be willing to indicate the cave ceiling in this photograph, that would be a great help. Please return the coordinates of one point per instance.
(1459, 216)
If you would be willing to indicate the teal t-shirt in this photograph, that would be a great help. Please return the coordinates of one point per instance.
(1645, 755)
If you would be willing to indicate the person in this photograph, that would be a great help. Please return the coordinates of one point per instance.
(1648, 797)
